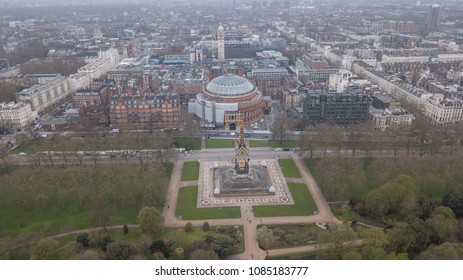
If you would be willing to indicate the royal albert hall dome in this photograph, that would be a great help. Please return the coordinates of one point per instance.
(225, 96)
(230, 85)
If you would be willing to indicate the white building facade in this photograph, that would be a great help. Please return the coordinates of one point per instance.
(443, 111)
(51, 90)
(16, 114)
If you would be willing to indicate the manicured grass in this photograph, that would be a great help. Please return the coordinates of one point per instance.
(190, 171)
(258, 143)
(289, 168)
(283, 144)
(229, 143)
(219, 143)
(188, 143)
(304, 204)
(344, 215)
(186, 207)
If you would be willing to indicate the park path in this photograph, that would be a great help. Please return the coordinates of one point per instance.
(324, 209)
(306, 249)
(247, 220)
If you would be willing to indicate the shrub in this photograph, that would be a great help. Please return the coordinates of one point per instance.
(206, 226)
(188, 227)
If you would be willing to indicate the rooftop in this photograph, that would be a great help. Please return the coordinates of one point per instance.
(230, 85)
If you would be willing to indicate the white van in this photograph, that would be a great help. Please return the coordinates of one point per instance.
(277, 149)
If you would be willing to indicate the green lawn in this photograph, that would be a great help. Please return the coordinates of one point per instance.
(258, 143)
(228, 143)
(188, 143)
(289, 168)
(190, 171)
(304, 204)
(219, 143)
(186, 207)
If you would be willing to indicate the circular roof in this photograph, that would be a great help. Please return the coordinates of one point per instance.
(230, 85)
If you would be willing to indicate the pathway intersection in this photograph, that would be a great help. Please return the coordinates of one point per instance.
(248, 220)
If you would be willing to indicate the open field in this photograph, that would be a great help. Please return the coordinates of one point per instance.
(288, 167)
(186, 207)
(64, 198)
(304, 204)
(219, 143)
(228, 143)
(190, 171)
(187, 143)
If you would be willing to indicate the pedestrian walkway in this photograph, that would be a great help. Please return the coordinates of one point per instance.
(247, 220)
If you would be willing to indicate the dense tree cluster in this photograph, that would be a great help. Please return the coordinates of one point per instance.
(27, 51)
(8, 90)
(211, 248)
(100, 192)
(416, 222)
(64, 66)
(151, 221)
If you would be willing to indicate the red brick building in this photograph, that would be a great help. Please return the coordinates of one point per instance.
(145, 111)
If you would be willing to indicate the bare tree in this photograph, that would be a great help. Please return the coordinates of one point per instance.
(307, 143)
(282, 125)
(101, 213)
(423, 134)
(95, 156)
(323, 136)
(191, 128)
(80, 156)
(50, 155)
(4, 155)
(35, 158)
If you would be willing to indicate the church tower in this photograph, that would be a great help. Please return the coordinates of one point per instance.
(221, 43)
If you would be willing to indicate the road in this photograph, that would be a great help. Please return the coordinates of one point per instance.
(257, 153)
(247, 220)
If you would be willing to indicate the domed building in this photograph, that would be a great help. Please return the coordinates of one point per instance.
(227, 100)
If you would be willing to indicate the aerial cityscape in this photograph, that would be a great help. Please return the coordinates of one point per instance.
(231, 130)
